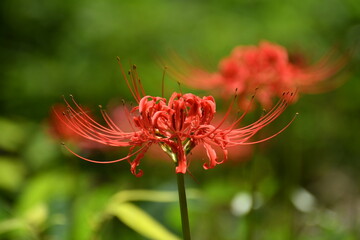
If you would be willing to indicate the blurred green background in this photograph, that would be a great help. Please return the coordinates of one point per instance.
(302, 185)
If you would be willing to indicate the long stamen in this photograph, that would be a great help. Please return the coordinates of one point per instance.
(264, 139)
(244, 113)
(85, 126)
(127, 81)
(86, 130)
(134, 82)
(273, 113)
(85, 120)
(247, 132)
(104, 162)
(180, 90)
(140, 86)
(108, 120)
(85, 117)
(163, 82)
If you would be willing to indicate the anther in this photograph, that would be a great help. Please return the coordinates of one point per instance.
(180, 87)
(70, 95)
(100, 106)
(62, 143)
(134, 67)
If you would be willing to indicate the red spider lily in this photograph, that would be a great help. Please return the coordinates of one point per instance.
(266, 67)
(177, 125)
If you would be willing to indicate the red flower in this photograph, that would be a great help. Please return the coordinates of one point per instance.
(266, 67)
(177, 125)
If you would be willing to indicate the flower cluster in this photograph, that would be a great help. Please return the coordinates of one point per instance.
(266, 67)
(177, 125)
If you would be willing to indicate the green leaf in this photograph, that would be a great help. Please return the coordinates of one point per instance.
(44, 187)
(41, 149)
(37, 215)
(152, 196)
(11, 225)
(12, 173)
(140, 221)
(12, 135)
(88, 214)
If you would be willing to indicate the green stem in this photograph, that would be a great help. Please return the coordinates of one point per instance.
(183, 207)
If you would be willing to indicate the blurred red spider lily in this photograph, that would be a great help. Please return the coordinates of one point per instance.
(177, 125)
(266, 67)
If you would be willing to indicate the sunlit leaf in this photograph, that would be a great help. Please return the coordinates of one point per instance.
(12, 173)
(141, 222)
(37, 215)
(12, 135)
(10, 225)
(45, 187)
(152, 196)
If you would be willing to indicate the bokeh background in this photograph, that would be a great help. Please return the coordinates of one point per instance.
(304, 184)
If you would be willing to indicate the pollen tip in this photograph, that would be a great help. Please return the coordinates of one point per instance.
(118, 58)
(62, 143)
(63, 113)
(70, 95)
(134, 67)
(297, 113)
(100, 106)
